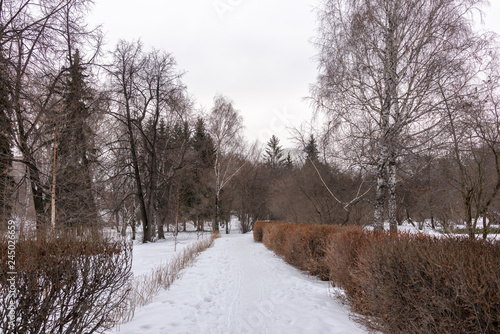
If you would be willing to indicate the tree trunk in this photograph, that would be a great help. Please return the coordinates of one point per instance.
(380, 192)
(392, 205)
(137, 176)
(176, 219)
(386, 142)
(216, 222)
(485, 227)
(53, 197)
(161, 232)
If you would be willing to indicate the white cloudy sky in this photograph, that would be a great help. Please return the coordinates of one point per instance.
(256, 52)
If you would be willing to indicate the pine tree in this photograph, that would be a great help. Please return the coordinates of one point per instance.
(203, 163)
(203, 145)
(74, 194)
(311, 149)
(288, 162)
(274, 154)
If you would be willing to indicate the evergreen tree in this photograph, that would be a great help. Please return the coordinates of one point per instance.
(6, 179)
(203, 163)
(274, 154)
(75, 152)
(311, 149)
(203, 145)
(288, 161)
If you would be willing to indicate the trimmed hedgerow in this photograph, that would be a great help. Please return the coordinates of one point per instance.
(341, 257)
(420, 284)
(400, 283)
(301, 245)
(65, 283)
(258, 228)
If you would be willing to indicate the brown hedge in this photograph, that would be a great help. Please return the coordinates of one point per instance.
(401, 283)
(301, 245)
(65, 283)
(417, 283)
(341, 257)
(258, 228)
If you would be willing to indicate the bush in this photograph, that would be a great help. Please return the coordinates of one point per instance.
(400, 283)
(341, 258)
(258, 228)
(301, 245)
(419, 284)
(306, 245)
(65, 283)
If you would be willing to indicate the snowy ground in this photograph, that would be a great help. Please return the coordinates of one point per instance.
(238, 286)
(426, 228)
(151, 255)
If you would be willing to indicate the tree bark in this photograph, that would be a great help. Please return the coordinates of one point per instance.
(216, 222)
(137, 176)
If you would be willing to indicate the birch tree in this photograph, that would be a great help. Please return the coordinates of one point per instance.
(225, 126)
(382, 63)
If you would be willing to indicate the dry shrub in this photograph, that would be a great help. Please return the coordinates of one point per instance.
(305, 247)
(341, 257)
(274, 236)
(401, 283)
(258, 228)
(65, 283)
(417, 284)
(302, 245)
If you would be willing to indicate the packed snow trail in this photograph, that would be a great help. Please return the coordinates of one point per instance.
(238, 286)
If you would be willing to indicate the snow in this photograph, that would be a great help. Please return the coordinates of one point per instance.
(152, 255)
(426, 228)
(238, 286)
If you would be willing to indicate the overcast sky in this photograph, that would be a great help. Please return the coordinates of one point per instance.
(256, 52)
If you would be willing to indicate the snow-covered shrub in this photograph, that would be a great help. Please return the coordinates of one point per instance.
(65, 283)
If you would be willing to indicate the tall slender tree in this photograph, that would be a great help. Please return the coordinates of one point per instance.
(202, 174)
(128, 62)
(151, 102)
(225, 125)
(382, 64)
(6, 136)
(311, 149)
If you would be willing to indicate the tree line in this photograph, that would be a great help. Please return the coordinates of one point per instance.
(407, 91)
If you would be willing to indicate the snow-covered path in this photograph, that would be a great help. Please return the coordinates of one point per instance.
(238, 286)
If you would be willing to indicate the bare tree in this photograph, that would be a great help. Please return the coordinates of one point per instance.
(382, 63)
(149, 96)
(473, 124)
(128, 62)
(33, 39)
(224, 126)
